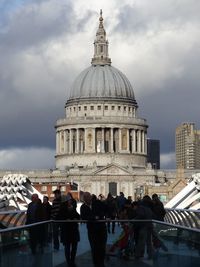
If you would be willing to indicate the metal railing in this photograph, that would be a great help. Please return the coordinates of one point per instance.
(183, 217)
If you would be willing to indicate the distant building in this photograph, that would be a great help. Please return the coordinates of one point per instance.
(187, 146)
(153, 153)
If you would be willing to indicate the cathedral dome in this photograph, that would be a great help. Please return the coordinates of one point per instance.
(102, 81)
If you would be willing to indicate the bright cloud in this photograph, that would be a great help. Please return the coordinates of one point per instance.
(27, 158)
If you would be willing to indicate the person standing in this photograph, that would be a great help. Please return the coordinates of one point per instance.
(142, 230)
(158, 208)
(35, 214)
(47, 216)
(93, 210)
(70, 235)
(111, 211)
(54, 216)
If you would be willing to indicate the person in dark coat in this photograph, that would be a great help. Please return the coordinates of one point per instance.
(47, 208)
(54, 216)
(70, 235)
(47, 216)
(111, 211)
(94, 210)
(142, 230)
(158, 208)
(35, 214)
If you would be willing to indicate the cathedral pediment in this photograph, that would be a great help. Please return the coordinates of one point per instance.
(112, 169)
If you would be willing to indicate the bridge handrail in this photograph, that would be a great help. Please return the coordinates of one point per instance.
(97, 221)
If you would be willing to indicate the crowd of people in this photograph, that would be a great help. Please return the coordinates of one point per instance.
(100, 214)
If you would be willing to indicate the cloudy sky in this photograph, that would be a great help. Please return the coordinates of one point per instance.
(45, 44)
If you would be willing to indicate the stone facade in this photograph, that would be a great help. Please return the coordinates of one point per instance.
(133, 182)
(101, 124)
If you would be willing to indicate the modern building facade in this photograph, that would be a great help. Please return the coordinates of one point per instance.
(153, 153)
(187, 146)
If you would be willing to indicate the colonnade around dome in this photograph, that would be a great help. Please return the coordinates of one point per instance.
(101, 140)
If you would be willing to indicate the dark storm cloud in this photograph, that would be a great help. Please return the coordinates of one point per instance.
(143, 16)
(178, 103)
(36, 23)
(28, 98)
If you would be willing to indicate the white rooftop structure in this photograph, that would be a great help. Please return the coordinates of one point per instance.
(188, 197)
(16, 191)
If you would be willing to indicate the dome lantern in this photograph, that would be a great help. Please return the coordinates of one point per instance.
(101, 56)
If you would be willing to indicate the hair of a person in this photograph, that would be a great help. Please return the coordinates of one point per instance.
(57, 191)
(155, 196)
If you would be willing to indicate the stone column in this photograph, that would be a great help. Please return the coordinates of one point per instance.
(103, 140)
(60, 141)
(57, 142)
(139, 141)
(111, 140)
(77, 140)
(133, 141)
(120, 139)
(65, 141)
(70, 141)
(85, 140)
(128, 141)
(143, 142)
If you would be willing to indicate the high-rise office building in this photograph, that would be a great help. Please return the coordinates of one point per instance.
(153, 153)
(187, 146)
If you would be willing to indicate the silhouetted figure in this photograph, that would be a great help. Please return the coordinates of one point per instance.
(111, 212)
(94, 210)
(54, 216)
(158, 208)
(142, 230)
(69, 231)
(35, 214)
(47, 216)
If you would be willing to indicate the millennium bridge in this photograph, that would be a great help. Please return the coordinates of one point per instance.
(177, 243)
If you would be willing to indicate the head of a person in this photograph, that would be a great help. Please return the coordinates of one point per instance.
(135, 205)
(68, 197)
(101, 197)
(155, 197)
(69, 194)
(146, 198)
(109, 196)
(121, 194)
(70, 204)
(87, 198)
(45, 199)
(130, 198)
(57, 193)
(34, 198)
